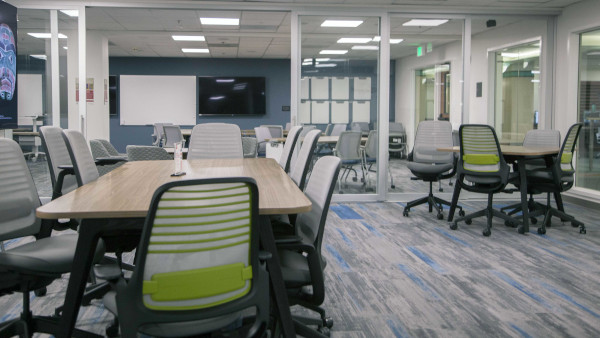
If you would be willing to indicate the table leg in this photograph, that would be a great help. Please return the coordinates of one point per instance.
(524, 228)
(84, 253)
(276, 277)
(454, 200)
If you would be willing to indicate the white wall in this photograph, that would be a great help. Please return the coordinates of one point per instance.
(574, 19)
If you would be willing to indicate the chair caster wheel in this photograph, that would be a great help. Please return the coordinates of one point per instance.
(533, 220)
(440, 216)
(510, 224)
(40, 292)
(574, 225)
(405, 213)
(328, 322)
(521, 230)
(453, 226)
(541, 231)
(324, 331)
(461, 213)
(393, 186)
(582, 231)
(487, 232)
(354, 179)
(468, 221)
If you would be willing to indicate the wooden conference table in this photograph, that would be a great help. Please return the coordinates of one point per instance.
(322, 139)
(518, 155)
(126, 192)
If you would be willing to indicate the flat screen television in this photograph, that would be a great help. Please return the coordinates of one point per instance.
(231, 96)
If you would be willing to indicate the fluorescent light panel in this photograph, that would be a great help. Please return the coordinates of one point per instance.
(365, 48)
(392, 41)
(341, 23)
(46, 35)
(322, 59)
(70, 12)
(325, 65)
(354, 40)
(194, 50)
(425, 22)
(333, 51)
(39, 56)
(189, 38)
(225, 80)
(220, 21)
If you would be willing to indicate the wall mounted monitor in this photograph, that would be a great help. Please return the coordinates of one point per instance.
(231, 96)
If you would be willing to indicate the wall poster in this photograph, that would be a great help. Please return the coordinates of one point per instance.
(8, 67)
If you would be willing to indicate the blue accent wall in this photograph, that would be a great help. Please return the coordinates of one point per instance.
(275, 71)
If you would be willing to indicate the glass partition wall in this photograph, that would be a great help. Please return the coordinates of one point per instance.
(338, 92)
(588, 155)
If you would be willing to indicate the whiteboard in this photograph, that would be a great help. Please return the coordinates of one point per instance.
(319, 88)
(362, 88)
(304, 88)
(304, 112)
(340, 88)
(361, 111)
(320, 112)
(29, 101)
(148, 99)
(339, 112)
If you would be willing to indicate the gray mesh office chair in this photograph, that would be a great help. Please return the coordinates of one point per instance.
(535, 138)
(262, 135)
(63, 180)
(34, 265)
(338, 128)
(430, 165)
(215, 140)
(250, 146)
(288, 148)
(158, 136)
(397, 139)
(112, 151)
(196, 272)
(348, 150)
(301, 261)
(558, 178)
(300, 169)
(370, 156)
(147, 153)
(99, 151)
(363, 127)
(328, 129)
(306, 128)
(288, 126)
(172, 135)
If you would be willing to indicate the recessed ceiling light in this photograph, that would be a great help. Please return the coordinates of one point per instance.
(376, 38)
(194, 50)
(325, 65)
(322, 59)
(425, 22)
(341, 23)
(65, 47)
(38, 56)
(593, 53)
(354, 40)
(365, 48)
(225, 80)
(70, 12)
(189, 38)
(307, 63)
(46, 35)
(333, 51)
(220, 21)
(395, 41)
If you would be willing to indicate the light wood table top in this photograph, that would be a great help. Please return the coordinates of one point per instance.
(244, 132)
(514, 150)
(322, 139)
(127, 190)
(26, 133)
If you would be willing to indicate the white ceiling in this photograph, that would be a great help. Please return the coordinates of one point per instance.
(146, 32)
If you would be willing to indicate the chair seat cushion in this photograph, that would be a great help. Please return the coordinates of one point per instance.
(427, 169)
(177, 329)
(294, 267)
(544, 175)
(52, 255)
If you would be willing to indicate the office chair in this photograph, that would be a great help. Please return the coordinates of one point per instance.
(363, 127)
(302, 164)
(34, 265)
(556, 179)
(158, 136)
(429, 165)
(99, 151)
(288, 126)
(338, 128)
(112, 151)
(262, 135)
(535, 138)
(347, 149)
(306, 128)
(215, 140)
(172, 135)
(196, 272)
(250, 147)
(369, 152)
(328, 129)
(276, 131)
(288, 148)
(397, 139)
(482, 169)
(301, 261)
(147, 153)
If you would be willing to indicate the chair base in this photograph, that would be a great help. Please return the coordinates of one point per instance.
(563, 217)
(489, 212)
(433, 202)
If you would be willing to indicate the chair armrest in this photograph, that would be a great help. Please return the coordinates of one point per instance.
(65, 169)
(110, 160)
(280, 241)
(109, 272)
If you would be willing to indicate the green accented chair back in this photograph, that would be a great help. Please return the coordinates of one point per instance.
(198, 258)
(479, 151)
(568, 149)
